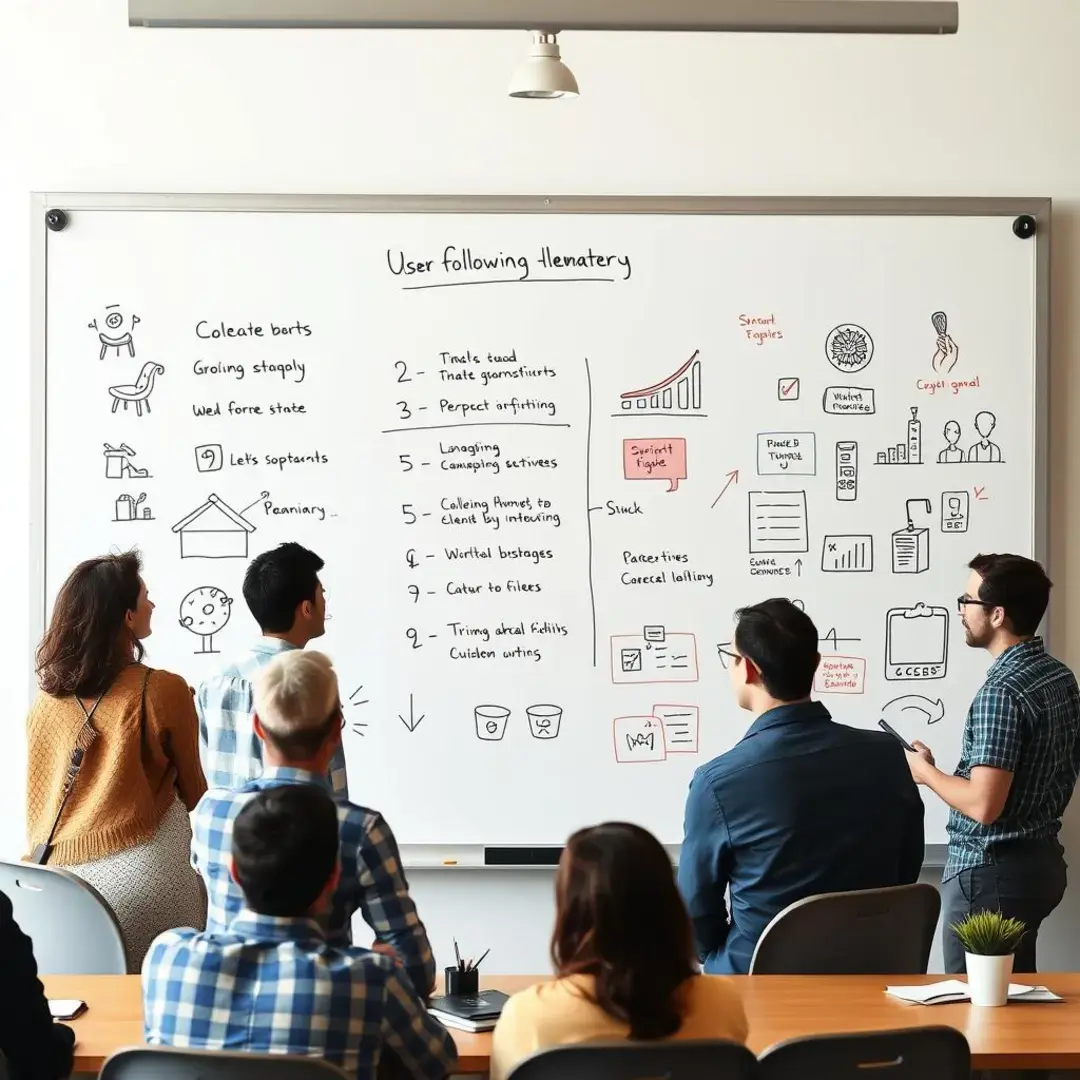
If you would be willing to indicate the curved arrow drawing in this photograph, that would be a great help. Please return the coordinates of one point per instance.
(932, 710)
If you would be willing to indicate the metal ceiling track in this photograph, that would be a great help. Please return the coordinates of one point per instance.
(695, 16)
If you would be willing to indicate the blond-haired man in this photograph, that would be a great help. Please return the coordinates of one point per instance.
(298, 717)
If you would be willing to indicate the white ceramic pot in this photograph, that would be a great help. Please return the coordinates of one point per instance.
(988, 978)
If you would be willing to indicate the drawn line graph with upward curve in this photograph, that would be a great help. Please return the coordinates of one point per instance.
(677, 395)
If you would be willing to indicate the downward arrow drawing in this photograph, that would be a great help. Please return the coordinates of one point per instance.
(932, 710)
(414, 721)
(732, 478)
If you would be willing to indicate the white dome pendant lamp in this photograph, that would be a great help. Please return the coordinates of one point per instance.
(543, 75)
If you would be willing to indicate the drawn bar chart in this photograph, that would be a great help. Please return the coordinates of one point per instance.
(679, 393)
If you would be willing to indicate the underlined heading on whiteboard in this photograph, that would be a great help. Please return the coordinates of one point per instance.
(445, 270)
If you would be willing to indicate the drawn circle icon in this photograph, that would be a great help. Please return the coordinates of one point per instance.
(849, 347)
(205, 610)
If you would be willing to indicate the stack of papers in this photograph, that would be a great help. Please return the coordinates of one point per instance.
(953, 990)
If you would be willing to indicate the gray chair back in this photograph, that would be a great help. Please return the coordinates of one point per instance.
(908, 1054)
(692, 1059)
(868, 932)
(167, 1063)
(73, 929)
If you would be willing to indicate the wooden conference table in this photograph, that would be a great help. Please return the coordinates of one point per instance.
(778, 1007)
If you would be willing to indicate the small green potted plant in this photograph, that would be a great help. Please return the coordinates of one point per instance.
(989, 940)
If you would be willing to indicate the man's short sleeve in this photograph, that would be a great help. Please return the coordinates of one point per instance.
(995, 720)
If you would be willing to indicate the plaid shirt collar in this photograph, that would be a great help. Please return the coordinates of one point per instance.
(271, 646)
(1017, 654)
(251, 926)
(287, 774)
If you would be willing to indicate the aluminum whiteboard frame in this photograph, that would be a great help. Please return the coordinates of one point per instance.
(471, 856)
(694, 16)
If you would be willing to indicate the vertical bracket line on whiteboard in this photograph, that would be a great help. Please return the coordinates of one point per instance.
(588, 503)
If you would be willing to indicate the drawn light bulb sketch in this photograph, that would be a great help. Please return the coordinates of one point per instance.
(114, 331)
(139, 391)
(205, 612)
(214, 530)
(849, 347)
(947, 353)
(118, 464)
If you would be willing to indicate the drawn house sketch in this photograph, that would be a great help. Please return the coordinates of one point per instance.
(214, 531)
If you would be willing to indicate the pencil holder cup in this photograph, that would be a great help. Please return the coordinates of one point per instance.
(462, 982)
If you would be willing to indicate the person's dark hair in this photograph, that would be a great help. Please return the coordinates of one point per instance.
(87, 642)
(619, 917)
(1017, 585)
(277, 582)
(782, 641)
(284, 848)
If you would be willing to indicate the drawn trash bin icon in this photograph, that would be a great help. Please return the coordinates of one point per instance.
(544, 721)
(491, 722)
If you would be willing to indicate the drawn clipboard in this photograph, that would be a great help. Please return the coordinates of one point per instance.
(916, 642)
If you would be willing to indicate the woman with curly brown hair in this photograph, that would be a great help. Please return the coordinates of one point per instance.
(113, 756)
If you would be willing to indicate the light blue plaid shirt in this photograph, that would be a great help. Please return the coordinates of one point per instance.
(274, 986)
(372, 877)
(231, 752)
(1026, 720)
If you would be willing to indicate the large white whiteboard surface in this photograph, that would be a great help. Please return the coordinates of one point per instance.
(545, 457)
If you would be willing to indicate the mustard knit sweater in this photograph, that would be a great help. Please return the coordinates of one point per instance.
(127, 783)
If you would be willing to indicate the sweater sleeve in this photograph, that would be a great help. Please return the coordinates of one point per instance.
(170, 711)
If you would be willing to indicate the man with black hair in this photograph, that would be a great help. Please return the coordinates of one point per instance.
(1018, 765)
(801, 805)
(286, 598)
(271, 982)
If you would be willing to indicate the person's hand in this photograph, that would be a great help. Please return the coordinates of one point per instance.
(947, 354)
(386, 950)
(919, 761)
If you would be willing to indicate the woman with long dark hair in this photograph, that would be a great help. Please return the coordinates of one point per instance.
(624, 957)
(113, 756)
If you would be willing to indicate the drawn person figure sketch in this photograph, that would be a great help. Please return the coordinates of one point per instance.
(952, 454)
(984, 449)
(118, 337)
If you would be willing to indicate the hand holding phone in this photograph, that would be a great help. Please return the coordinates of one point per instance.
(66, 1008)
(886, 726)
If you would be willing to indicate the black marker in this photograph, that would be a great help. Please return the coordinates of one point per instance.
(885, 726)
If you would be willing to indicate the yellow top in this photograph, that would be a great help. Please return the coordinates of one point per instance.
(560, 1013)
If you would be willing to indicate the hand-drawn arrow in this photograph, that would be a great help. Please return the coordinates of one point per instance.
(414, 721)
(932, 710)
(732, 478)
(798, 566)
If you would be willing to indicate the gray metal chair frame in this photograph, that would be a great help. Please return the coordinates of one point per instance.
(867, 932)
(72, 927)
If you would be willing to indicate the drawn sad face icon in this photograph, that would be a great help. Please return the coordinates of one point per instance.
(114, 330)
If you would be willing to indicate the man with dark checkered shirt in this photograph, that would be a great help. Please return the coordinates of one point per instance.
(1019, 761)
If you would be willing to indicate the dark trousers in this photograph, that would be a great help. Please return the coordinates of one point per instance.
(1025, 881)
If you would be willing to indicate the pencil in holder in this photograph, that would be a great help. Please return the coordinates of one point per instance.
(460, 981)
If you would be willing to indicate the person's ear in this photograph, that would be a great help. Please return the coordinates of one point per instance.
(753, 673)
(305, 610)
(997, 618)
(232, 871)
(257, 726)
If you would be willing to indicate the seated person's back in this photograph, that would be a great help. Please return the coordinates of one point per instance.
(624, 956)
(298, 719)
(271, 983)
(800, 806)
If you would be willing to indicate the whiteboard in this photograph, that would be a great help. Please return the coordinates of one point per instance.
(547, 447)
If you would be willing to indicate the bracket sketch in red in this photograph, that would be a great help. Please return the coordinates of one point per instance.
(679, 394)
(654, 656)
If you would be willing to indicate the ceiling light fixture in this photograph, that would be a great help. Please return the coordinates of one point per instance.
(543, 75)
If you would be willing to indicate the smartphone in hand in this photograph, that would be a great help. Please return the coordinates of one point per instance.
(886, 726)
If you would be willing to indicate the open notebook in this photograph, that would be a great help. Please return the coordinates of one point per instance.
(953, 990)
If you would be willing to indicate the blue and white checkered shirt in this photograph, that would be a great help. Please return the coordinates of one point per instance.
(372, 878)
(231, 752)
(1026, 720)
(275, 986)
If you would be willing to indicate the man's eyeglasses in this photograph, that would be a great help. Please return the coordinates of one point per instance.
(727, 654)
(963, 601)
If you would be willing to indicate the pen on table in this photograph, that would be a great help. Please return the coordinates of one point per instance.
(456, 953)
(481, 960)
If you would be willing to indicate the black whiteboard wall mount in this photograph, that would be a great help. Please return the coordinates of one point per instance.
(56, 220)
(1024, 226)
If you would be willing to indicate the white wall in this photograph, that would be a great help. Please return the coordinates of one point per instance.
(88, 104)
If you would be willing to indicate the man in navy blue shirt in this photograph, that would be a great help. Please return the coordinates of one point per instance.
(799, 806)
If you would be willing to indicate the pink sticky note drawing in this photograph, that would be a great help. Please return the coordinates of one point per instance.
(841, 675)
(655, 459)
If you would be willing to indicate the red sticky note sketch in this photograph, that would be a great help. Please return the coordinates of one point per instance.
(655, 459)
(639, 739)
(841, 675)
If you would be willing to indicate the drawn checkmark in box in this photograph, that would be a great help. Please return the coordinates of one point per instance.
(788, 389)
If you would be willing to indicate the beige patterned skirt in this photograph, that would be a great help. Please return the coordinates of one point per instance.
(151, 887)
